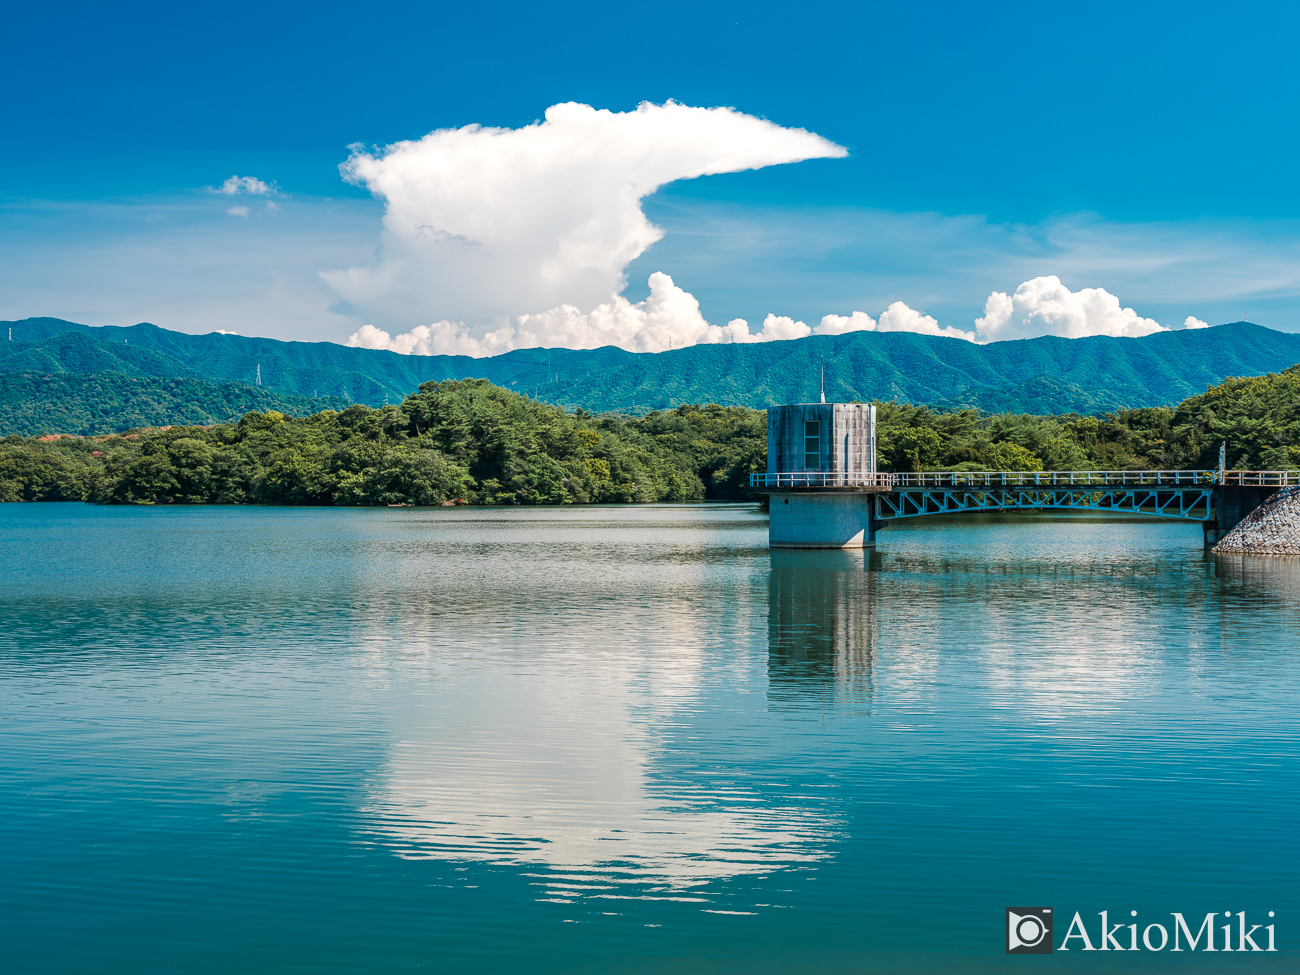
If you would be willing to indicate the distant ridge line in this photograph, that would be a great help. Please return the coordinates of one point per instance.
(1040, 375)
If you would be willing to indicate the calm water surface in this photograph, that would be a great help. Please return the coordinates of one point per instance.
(630, 740)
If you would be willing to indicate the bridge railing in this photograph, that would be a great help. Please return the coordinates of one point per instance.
(993, 479)
(998, 479)
(1262, 478)
(820, 479)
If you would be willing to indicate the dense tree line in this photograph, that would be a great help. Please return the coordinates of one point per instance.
(471, 441)
(1259, 417)
(452, 441)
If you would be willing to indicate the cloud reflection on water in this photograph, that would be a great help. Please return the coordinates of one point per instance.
(530, 771)
(588, 775)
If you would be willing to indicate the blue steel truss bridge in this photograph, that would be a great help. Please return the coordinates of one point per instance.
(1218, 499)
(1189, 495)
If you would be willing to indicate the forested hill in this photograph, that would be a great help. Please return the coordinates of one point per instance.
(473, 442)
(451, 442)
(33, 403)
(1042, 375)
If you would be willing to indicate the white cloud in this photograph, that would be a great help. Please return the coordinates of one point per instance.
(776, 328)
(182, 262)
(859, 321)
(805, 261)
(484, 226)
(245, 184)
(488, 225)
(668, 319)
(1044, 306)
(898, 317)
(240, 210)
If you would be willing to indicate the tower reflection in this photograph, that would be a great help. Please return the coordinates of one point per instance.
(821, 627)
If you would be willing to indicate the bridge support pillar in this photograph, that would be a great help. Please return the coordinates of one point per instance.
(1212, 533)
(1232, 503)
(823, 520)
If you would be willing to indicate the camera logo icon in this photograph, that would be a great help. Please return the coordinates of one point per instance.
(1029, 930)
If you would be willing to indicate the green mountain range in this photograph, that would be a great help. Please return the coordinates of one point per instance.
(108, 402)
(1041, 375)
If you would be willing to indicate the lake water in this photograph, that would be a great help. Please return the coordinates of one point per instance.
(632, 739)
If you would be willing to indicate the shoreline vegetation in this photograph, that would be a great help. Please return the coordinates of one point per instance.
(469, 441)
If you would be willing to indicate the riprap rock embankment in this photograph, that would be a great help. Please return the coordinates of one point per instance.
(1271, 529)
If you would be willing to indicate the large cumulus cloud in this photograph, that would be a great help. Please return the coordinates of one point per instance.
(516, 238)
(511, 237)
(671, 318)
(668, 318)
(1045, 306)
(1040, 306)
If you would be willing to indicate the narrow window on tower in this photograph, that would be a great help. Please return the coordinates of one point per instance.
(812, 445)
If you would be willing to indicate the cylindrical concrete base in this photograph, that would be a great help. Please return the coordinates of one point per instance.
(822, 521)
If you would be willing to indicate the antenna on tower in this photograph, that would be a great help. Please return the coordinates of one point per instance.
(823, 379)
(259, 374)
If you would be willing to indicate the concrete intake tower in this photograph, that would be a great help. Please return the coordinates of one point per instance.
(821, 476)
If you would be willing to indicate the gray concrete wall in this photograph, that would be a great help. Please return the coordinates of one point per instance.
(785, 436)
(852, 448)
(822, 520)
(845, 437)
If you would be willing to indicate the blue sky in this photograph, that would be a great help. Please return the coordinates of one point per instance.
(1142, 149)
